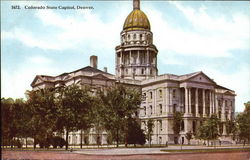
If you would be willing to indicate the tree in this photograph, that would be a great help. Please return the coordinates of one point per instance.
(73, 104)
(243, 121)
(189, 136)
(44, 113)
(135, 133)
(119, 104)
(177, 119)
(209, 130)
(96, 113)
(7, 120)
(150, 126)
(231, 128)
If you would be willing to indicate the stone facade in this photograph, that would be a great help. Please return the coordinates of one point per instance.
(194, 94)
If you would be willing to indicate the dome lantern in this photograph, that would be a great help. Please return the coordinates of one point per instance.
(136, 4)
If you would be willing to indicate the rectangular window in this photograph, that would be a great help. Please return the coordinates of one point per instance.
(174, 93)
(160, 106)
(151, 110)
(160, 123)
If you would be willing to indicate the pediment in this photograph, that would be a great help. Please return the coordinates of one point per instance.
(37, 80)
(229, 93)
(201, 78)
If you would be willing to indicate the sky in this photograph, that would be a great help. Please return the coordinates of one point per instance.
(191, 36)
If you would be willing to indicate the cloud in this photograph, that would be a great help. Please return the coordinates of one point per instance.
(15, 84)
(84, 28)
(40, 60)
(237, 81)
(209, 37)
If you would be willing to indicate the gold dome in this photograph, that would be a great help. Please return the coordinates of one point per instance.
(136, 20)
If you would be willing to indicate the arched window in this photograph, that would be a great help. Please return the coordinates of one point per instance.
(160, 93)
(134, 36)
(151, 95)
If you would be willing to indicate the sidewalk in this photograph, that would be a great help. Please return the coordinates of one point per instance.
(134, 151)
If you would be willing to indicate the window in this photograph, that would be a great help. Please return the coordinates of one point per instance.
(134, 70)
(126, 71)
(128, 37)
(160, 123)
(151, 110)
(219, 114)
(134, 36)
(160, 140)
(194, 126)
(140, 36)
(151, 72)
(174, 93)
(151, 95)
(219, 102)
(160, 106)
(142, 71)
(174, 108)
(145, 110)
(136, 113)
(160, 93)
(143, 96)
(182, 125)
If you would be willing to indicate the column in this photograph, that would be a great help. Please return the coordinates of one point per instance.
(120, 58)
(203, 102)
(189, 101)
(213, 101)
(147, 57)
(154, 99)
(130, 57)
(223, 118)
(164, 101)
(210, 102)
(196, 103)
(186, 100)
(216, 105)
(230, 109)
(138, 57)
(167, 100)
(224, 129)
(170, 101)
